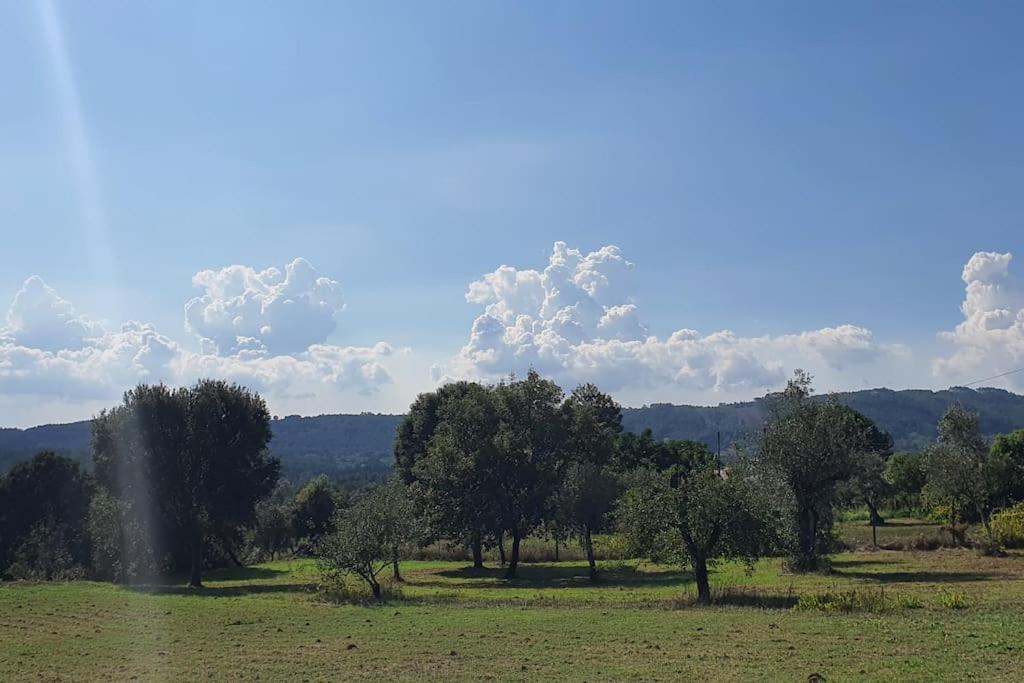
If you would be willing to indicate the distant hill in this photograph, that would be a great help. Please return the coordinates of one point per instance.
(910, 415)
(337, 445)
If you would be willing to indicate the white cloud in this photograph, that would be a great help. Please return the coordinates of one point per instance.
(263, 329)
(576, 321)
(286, 312)
(990, 339)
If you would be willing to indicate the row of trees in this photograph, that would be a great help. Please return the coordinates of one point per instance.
(182, 479)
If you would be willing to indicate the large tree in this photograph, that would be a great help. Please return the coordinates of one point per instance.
(193, 461)
(810, 445)
(588, 484)
(456, 480)
(529, 441)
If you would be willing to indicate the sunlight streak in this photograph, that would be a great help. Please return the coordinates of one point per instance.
(79, 150)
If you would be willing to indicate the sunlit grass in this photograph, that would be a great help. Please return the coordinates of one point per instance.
(449, 622)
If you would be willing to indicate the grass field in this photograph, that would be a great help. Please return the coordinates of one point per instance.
(946, 615)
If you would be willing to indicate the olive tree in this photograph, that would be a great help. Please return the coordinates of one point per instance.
(365, 537)
(810, 445)
(695, 517)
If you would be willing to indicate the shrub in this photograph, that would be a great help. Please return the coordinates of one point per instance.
(1008, 527)
(951, 599)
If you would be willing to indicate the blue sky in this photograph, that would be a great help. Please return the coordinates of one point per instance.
(771, 169)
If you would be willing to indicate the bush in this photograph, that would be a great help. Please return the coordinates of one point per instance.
(1008, 527)
(951, 599)
(44, 555)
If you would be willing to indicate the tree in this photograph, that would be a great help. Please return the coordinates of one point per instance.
(529, 445)
(404, 527)
(1006, 466)
(365, 537)
(906, 475)
(193, 462)
(588, 484)
(44, 505)
(694, 517)
(867, 482)
(957, 463)
(313, 510)
(810, 445)
(455, 481)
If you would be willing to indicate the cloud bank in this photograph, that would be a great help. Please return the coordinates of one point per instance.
(577, 321)
(265, 329)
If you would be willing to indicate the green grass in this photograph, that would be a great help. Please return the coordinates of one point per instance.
(450, 623)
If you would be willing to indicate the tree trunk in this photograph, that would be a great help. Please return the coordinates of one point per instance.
(985, 524)
(876, 519)
(195, 575)
(231, 553)
(501, 548)
(556, 549)
(808, 532)
(478, 551)
(874, 534)
(588, 546)
(513, 563)
(375, 588)
(700, 575)
(396, 574)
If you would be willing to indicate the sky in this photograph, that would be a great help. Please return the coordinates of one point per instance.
(342, 204)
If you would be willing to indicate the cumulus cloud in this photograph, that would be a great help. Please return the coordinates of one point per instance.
(284, 312)
(265, 329)
(576, 320)
(990, 338)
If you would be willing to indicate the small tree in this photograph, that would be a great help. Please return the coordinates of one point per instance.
(696, 517)
(1006, 467)
(907, 475)
(313, 510)
(957, 465)
(366, 538)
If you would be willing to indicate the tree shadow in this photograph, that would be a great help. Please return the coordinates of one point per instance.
(919, 577)
(859, 563)
(212, 591)
(244, 574)
(550, 576)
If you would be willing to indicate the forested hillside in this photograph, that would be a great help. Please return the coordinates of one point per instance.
(344, 444)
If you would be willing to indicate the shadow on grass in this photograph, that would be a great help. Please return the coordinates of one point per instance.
(919, 577)
(214, 591)
(548, 576)
(244, 574)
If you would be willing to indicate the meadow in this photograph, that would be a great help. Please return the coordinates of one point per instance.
(877, 615)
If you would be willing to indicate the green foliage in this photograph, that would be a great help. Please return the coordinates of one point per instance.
(958, 472)
(1005, 469)
(1008, 527)
(809, 447)
(313, 510)
(365, 538)
(952, 599)
(44, 505)
(857, 600)
(697, 517)
(907, 475)
(191, 463)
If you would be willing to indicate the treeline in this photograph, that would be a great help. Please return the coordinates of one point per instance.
(182, 481)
